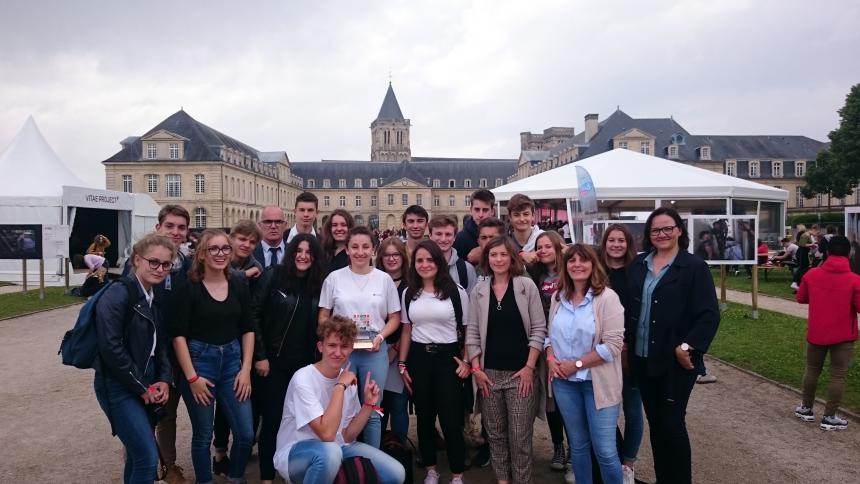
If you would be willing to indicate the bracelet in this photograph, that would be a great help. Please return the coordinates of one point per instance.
(342, 384)
(193, 379)
(551, 359)
(379, 410)
(379, 335)
(530, 367)
(474, 369)
(401, 363)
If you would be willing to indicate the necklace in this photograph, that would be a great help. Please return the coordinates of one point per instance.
(498, 305)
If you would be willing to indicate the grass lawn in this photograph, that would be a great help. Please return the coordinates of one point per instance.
(17, 303)
(775, 346)
(778, 283)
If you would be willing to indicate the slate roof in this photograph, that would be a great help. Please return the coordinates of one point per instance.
(203, 143)
(390, 109)
(422, 170)
(763, 146)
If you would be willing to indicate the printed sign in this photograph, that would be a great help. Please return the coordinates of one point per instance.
(21, 242)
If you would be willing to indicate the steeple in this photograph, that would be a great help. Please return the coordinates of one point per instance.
(389, 132)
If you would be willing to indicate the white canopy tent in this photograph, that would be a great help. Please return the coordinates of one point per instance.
(624, 178)
(38, 188)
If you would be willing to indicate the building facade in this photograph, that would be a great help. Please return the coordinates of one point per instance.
(777, 161)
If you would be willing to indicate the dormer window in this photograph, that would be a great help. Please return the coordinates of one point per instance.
(373, 182)
(776, 169)
(677, 139)
(467, 183)
(452, 183)
(755, 169)
(705, 153)
(357, 183)
(435, 183)
(482, 183)
(341, 183)
(151, 151)
(622, 145)
(326, 183)
(312, 184)
(731, 168)
(673, 151)
(174, 151)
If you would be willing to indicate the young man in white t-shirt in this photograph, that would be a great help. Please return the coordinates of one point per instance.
(521, 209)
(443, 231)
(322, 415)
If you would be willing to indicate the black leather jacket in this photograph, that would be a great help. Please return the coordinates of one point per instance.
(125, 339)
(272, 314)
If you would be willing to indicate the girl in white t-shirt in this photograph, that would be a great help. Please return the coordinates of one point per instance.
(431, 350)
(368, 297)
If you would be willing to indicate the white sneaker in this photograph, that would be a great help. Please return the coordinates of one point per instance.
(568, 477)
(627, 475)
(795, 286)
(833, 422)
(457, 480)
(432, 477)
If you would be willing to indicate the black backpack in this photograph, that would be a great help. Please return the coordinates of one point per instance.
(357, 470)
(458, 314)
(462, 273)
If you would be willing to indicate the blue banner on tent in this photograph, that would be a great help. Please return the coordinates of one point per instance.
(587, 192)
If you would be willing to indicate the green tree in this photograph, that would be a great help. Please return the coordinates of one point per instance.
(837, 169)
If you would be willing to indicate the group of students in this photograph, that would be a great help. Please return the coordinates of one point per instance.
(268, 325)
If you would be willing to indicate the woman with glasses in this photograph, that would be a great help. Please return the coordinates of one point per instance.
(334, 236)
(505, 332)
(284, 312)
(671, 318)
(214, 344)
(391, 257)
(368, 296)
(133, 372)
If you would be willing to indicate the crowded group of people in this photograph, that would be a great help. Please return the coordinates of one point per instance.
(310, 344)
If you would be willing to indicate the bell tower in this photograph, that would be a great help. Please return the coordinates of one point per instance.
(389, 132)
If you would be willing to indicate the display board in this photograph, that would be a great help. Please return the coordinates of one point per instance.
(55, 241)
(594, 231)
(21, 242)
(720, 239)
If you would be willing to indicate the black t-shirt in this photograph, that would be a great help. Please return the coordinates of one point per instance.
(198, 316)
(618, 282)
(339, 261)
(507, 345)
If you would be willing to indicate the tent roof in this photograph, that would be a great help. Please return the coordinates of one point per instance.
(622, 174)
(32, 167)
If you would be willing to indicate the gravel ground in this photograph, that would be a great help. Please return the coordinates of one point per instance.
(742, 427)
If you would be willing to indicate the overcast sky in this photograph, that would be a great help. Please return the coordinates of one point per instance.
(309, 77)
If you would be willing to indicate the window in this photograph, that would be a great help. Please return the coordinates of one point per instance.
(482, 183)
(673, 151)
(731, 168)
(326, 201)
(452, 183)
(800, 169)
(390, 199)
(755, 169)
(498, 182)
(435, 183)
(435, 200)
(151, 152)
(311, 183)
(452, 201)
(174, 153)
(357, 183)
(404, 199)
(373, 200)
(776, 169)
(468, 201)
(622, 145)
(199, 184)
(373, 182)
(358, 201)
(341, 201)
(174, 186)
(705, 153)
(341, 183)
(152, 183)
(419, 199)
(467, 183)
(126, 183)
(798, 197)
(359, 220)
(645, 147)
(326, 183)
(200, 217)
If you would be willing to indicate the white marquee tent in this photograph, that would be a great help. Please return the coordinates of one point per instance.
(38, 188)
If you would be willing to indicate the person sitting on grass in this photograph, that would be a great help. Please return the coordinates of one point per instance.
(322, 414)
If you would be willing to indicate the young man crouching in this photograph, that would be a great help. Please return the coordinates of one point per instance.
(323, 417)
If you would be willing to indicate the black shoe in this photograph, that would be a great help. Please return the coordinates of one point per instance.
(482, 457)
(221, 466)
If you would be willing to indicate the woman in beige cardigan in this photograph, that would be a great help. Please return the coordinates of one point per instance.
(586, 333)
(505, 332)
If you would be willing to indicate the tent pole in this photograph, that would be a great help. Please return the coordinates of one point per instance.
(66, 269)
(23, 275)
(570, 220)
(755, 291)
(723, 304)
(41, 279)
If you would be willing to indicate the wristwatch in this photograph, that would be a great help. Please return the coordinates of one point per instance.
(578, 363)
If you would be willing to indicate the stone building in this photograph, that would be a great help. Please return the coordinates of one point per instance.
(778, 161)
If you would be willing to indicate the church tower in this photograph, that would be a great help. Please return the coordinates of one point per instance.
(389, 132)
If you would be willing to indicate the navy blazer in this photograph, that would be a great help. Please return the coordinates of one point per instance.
(684, 309)
(261, 258)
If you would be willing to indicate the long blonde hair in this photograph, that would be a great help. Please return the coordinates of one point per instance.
(198, 265)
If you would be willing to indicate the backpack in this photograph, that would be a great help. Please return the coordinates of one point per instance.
(357, 470)
(458, 315)
(80, 345)
(462, 274)
(401, 451)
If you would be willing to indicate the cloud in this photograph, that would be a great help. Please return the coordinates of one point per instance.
(309, 77)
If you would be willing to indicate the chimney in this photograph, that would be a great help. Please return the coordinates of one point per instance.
(525, 138)
(590, 126)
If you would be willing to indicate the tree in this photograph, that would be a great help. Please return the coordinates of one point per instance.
(837, 169)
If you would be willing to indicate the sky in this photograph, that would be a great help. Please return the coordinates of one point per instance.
(308, 77)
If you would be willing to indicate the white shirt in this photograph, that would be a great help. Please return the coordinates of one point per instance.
(294, 231)
(366, 299)
(267, 254)
(308, 395)
(529, 246)
(433, 320)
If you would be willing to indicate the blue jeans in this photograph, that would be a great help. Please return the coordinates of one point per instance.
(315, 462)
(588, 427)
(376, 363)
(219, 365)
(396, 409)
(634, 420)
(131, 423)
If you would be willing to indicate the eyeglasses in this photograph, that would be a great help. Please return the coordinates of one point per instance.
(667, 230)
(391, 256)
(154, 264)
(215, 250)
(272, 222)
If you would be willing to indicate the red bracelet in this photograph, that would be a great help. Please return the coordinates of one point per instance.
(193, 379)
(474, 369)
(375, 407)
(550, 359)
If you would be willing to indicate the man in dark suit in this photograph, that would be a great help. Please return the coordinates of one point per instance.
(270, 251)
